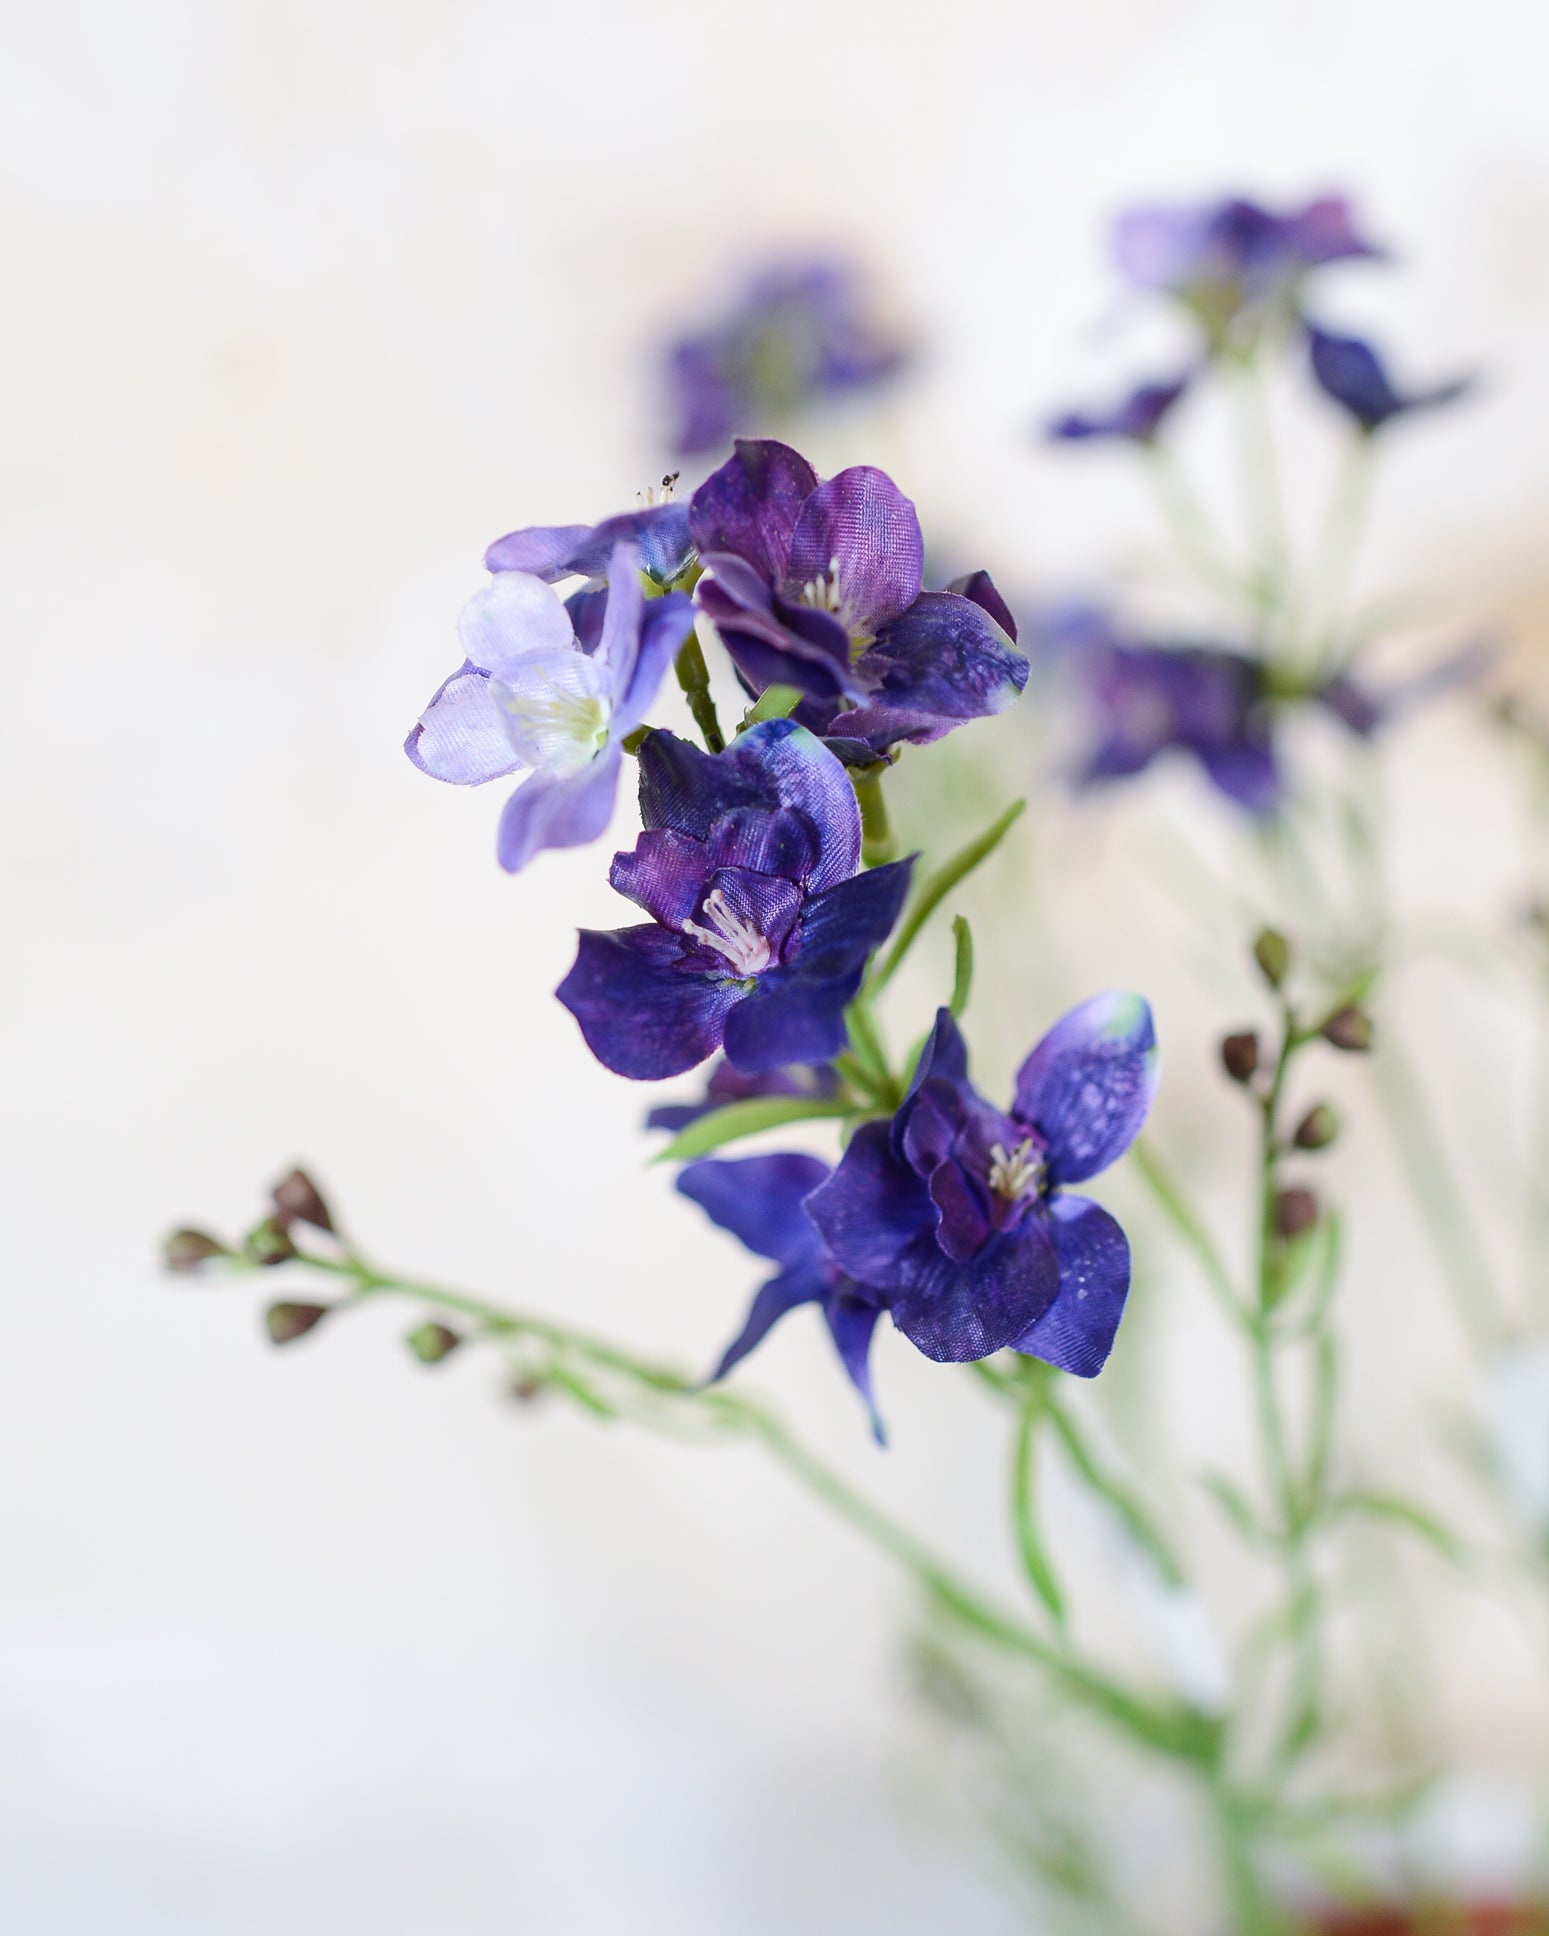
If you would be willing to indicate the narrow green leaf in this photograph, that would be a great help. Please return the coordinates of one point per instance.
(774, 702)
(1404, 1513)
(963, 965)
(747, 1118)
(1122, 1503)
(1024, 1511)
(934, 891)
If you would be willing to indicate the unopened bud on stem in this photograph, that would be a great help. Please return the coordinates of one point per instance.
(1240, 1055)
(1272, 952)
(1349, 1029)
(187, 1250)
(287, 1322)
(1317, 1129)
(432, 1342)
(270, 1243)
(297, 1199)
(1296, 1210)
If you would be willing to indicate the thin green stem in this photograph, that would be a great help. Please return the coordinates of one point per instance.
(878, 843)
(1190, 1228)
(694, 678)
(936, 888)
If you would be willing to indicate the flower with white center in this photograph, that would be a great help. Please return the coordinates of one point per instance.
(741, 943)
(533, 695)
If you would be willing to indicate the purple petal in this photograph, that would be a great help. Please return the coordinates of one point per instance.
(687, 789)
(1351, 373)
(981, 588)
(543, 550)
(666, 874)
(1076, 1332)
(851, 1323)
(790, 1018)
(512, 615)
(751, 504)
(770, 641)
(619, 645)
(547, 812)
(1245, 771)
(872, 1209)
(799, 771)
(668, 622)
(1087, 1086)
(943, 662)
(459, 737)
(862, 526)
(585, 550)
(955, 1313)
(643, 1015)
(842, 925)
(759, 1200)
(802, 1285)
(784, 842)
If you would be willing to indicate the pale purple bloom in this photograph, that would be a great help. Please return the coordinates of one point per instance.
(798, 333)
(1136, 418)
(759, 1200)
(819, 585)
(958, 1212)
(1350, 373)
(658, 532)
(543, 692)
(760, 927)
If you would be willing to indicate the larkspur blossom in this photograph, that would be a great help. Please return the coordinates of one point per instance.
(1350, 373)
(1136, 418)
(958, 1212)
(544, 692)
(799, 333)
(760, 926)
(658, 530)
(819, 586)
(759, 1200)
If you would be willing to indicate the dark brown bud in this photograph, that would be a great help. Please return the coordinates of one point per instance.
(270, 1243)
(430, 1343)
(1350, 1029)
(1272, 952)
(1296, 1210)
(527, 1387)
(287, 1322)
(297, 1199)
(1317, 1129)
(1240, 1055)
(187, 1250)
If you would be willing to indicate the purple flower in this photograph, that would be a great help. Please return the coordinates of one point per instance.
(726, 1085)
(1351, 373)
(958, 1212)
(799, 332)
(819, 586)
(555, 694)
(658, 532)
(1137, 417)
(760, 928)
(759, 1200)
(1223, 258)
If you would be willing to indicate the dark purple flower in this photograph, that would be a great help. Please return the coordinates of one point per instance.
(725, 1084)
(958, 1211)
(553, 691)
(799, 332)
(1223, 258)
(759, 1200)
(658, 532)
(1137, 417)
(760, 927)
(1350, 372)
(819, 586)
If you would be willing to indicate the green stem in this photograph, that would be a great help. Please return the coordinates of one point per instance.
(1188, 1226)
(934, 891)
(877, 840)
(694, 678)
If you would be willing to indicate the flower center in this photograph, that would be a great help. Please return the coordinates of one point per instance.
(1016, 1174)
(741, 943)
(823, 594)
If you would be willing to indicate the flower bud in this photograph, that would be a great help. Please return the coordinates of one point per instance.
(269, 1243)
(290, 1321)
(430, 1343)
(1272, 952)
(297, 1199)
(1296, 1210)
(1349, 1028)
(1317, 1129)
(187, 1250)
(1240, 1055)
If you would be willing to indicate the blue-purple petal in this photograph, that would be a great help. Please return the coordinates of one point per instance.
(1076, 1332)
(872, 1209)
(1087, 1086)
(759, 1200)
(958, 1312)
(667, 624)
(547, 812)
(790, 1017)
(945, 660)
(751, 504)
(804, 1284)
(860, 525)
(852, 1320)
(641, 1013)
(842, 925)
(982, 589)
(459, 737)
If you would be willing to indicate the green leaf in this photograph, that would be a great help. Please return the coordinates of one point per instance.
(747, 1118)
(1024, 1510)
(774, 702)
(963, 965)
(934, 891)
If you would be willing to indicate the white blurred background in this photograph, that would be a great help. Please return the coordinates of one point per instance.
(305, 305)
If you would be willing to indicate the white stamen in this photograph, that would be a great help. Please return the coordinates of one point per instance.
(655, 494)
(1014, 1175)
(741, 943)
(823, 593)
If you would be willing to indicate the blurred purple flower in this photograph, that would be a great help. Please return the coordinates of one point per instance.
(799, 333)
(819, 586)
(759, 1200)
(725, 1084)
(551, 691)
(1351, 374)
(1136, 418)
(958, 1212)
(760, 927)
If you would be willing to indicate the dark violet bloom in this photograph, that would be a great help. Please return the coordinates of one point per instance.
(726, 1084)
(1136, 418)
(819, 586)
(1222, 258)
(1351, 373)
(799, 333)
(759, 1200)
(658, 532)
(959, 1213)
(552, 693)
(760, 927)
